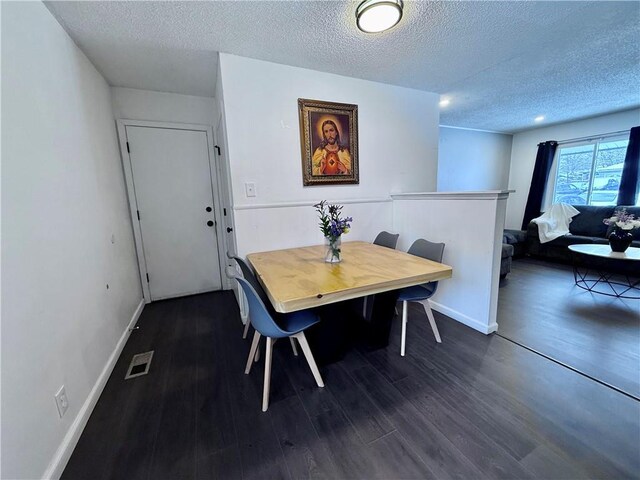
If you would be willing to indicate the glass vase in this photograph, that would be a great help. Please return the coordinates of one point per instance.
(332, 251)
(619, 240)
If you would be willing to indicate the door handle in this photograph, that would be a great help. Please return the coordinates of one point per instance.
(229, 229)
(210, 223)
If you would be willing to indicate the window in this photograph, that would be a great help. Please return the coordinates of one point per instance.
(588, 173)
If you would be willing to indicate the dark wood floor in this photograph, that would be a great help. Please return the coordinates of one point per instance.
(539, 306)
(473, 407)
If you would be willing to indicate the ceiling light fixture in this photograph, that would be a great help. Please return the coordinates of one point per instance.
(444, 102)
(539, 118)
(374, 16)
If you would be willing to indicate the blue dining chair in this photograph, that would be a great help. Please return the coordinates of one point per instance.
(430, 251)
(291, 325)
(248, 274)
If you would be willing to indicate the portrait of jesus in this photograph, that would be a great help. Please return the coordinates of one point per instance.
(329, 140)
(331, 155)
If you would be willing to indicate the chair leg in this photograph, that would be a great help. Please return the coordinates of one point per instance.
(364, 308)
(309, 356)
(252, 352)
(403, 340)
(293, 346)
(246, 328)
(267, 374)
(432, 321)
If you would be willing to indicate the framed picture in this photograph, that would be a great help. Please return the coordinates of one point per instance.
(329, 141)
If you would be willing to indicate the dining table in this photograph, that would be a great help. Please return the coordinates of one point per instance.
(298, 278)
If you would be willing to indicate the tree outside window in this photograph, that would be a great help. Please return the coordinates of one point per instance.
(589, 173)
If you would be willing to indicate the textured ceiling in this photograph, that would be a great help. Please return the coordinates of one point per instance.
(501, 63)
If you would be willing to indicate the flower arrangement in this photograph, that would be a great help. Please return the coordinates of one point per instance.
(332, 227)
(623, 220)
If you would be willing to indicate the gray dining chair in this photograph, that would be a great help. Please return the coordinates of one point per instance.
(419, 293)
(384, 239)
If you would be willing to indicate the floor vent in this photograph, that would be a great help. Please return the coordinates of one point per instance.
(139, 365)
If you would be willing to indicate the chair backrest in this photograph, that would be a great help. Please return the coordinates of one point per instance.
(429, 250)
(248, 274)
(386, 239)
(260, 317)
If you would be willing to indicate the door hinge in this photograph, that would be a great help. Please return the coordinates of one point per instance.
(138, 212)
(128, 150)
(147, 278)
(217, 149)
(224, 210)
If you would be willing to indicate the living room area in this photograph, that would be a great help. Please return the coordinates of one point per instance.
(563, 294)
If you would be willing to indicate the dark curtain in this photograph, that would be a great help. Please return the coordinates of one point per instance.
(544, 159)
(631, 170)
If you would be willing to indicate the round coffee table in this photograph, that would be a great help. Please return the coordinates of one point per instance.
(602, 282)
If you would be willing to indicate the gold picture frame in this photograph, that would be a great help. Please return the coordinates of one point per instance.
(329, 141)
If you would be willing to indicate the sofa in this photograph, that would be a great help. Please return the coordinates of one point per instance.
(586, 227)
(513, 246)
(505, 259)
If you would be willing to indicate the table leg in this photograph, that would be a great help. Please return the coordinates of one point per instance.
(332, 337)
(342, 324)
(594, 280)
(382, 313)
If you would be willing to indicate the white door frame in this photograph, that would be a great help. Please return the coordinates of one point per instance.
(133, 203)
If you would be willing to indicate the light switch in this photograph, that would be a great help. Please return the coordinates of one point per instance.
(250, 189)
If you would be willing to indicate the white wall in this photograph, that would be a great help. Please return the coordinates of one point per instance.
(63, 198)
(470, 296)
(398, 150)
(472, 160)
(525, 147)
(134, 104)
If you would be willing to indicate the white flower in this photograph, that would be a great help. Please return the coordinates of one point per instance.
(625, 225)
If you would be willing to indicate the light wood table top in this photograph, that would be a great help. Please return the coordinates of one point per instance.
(299, 278)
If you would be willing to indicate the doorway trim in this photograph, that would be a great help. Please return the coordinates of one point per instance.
(214, 178)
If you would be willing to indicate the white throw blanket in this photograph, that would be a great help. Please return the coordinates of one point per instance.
(555, 222)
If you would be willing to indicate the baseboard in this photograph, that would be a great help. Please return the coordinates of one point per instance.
(462, 318)
(63, 454)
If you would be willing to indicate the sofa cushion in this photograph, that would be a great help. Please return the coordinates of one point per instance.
(567, 240)
(589, 221)
(514, 236)
(507, 250)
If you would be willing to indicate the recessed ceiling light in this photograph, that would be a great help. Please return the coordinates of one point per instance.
(539, 118)
(444, 102)
(373, 16)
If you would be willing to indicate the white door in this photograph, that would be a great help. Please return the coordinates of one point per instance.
(172, 180)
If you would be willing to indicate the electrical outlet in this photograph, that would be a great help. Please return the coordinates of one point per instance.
(250, 189)
(61, 401)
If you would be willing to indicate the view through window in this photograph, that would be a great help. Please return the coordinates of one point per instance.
(589, 173)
